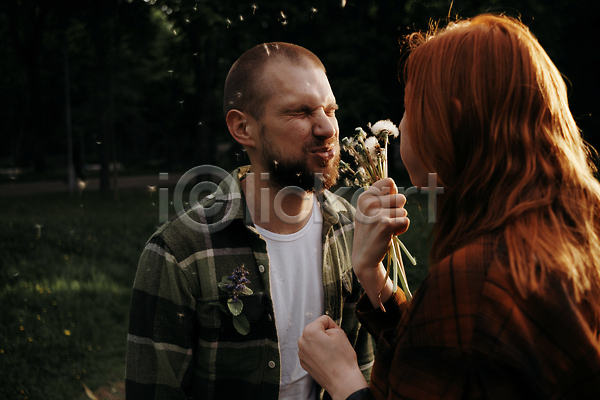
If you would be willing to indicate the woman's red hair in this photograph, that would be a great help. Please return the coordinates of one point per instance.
(510, 155)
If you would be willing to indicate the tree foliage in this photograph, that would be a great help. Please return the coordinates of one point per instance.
(146, 76)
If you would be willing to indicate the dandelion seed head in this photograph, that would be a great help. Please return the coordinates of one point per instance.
(371, 145)
(361, 177)
(362, 135)
(348, 144)
(385, 127)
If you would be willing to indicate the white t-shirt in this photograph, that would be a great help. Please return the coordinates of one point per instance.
(295, 268)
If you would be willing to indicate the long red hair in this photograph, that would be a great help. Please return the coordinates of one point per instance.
(510, 156)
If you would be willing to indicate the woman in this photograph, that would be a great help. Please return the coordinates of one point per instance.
(511, 306)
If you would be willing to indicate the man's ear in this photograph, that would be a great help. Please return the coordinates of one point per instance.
(238, 124)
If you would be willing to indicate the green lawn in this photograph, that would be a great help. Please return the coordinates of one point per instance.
(66, 271)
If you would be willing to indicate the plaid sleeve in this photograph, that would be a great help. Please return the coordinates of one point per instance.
(375, 320)
(158, 364)
(364, 342)
(364, 353)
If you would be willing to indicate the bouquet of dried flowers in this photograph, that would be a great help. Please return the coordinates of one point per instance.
(370, 155)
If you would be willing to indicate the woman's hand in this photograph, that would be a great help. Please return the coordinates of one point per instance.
(379, 216)
(326, 354)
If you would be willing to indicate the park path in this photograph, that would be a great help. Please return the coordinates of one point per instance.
(113, 392)
(16, 188)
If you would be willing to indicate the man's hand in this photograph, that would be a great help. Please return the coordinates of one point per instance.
(379, 216)
(326, 354)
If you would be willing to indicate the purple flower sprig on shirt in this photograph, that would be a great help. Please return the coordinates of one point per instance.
(235, 285)
(370, 156)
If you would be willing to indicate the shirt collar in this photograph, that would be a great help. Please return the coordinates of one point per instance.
(230, 191)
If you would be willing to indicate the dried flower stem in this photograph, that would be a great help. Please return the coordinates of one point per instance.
(373, 159)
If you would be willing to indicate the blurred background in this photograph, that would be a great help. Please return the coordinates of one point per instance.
(99, 97)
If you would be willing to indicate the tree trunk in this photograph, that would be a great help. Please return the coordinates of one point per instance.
(21, 17)
(70, 167)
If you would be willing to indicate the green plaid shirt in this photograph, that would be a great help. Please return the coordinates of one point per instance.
(182, 347)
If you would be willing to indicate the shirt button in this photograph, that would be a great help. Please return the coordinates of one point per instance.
(269, 317)
(271, 364)
(261, 268)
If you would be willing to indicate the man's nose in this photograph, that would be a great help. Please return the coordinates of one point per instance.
(325, 126)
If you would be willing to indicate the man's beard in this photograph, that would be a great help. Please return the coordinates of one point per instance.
(284, 172)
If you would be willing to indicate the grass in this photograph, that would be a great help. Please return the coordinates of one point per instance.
(67, 265)
(66, 272)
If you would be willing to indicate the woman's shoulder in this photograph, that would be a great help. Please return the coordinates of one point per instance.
(479, 252)
(466, 269)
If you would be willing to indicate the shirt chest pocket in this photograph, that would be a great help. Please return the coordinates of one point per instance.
(221, 349)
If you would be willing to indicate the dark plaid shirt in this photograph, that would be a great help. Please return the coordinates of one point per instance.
(180, 346)
(468, 334)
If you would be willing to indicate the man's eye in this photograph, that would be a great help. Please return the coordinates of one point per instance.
(301, 113)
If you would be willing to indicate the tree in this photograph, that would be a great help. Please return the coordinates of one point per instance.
(27, 20)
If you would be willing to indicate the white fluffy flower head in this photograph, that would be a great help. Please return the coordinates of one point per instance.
(372, 147)
(361, 135)
(385, 127)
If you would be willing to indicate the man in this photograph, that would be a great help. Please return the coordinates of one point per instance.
(223, 291)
